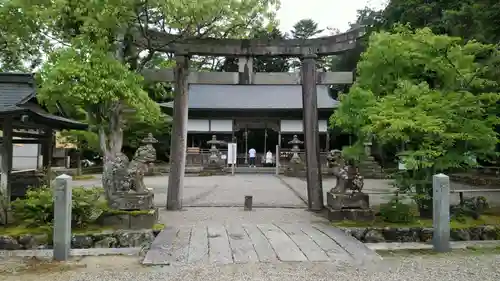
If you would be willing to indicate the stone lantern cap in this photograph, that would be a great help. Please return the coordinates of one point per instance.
(295, 140)
(214, 141)
(149, 139)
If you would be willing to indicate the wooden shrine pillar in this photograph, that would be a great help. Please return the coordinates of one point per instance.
(327, 144)
(178, 144)
(6, 163)
(311, 133)
(48, 153)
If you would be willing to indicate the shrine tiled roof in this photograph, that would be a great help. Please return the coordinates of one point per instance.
(244, 97)
(17, 94)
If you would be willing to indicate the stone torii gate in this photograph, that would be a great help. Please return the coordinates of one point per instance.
(245, 50)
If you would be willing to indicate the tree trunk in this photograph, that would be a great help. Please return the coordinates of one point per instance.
(111, 143)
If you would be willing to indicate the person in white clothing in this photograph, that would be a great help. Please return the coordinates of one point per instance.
(251, 157)
(269, 158)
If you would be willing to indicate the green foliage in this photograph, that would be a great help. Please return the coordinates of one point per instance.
(430, 92)
(469, 19)
(424, 90)
(354, 153)
(396, 212)
(37, 209)
(305, 29)
(91, 78)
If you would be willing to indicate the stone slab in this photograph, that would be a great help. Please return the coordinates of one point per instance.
(250, 243)
(241, 246)
(333, 250)
(263, 248)
(198, 245)
(169, 247)
(219, 251)
(355, 248)
(305, 243)
(284, 247)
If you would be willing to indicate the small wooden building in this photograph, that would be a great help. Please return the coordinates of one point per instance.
(255, 116)
(24, 121)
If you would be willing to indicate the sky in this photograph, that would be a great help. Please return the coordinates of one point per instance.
(327, 13)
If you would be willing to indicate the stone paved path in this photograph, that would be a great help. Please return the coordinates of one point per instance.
(250, 243)
(222, 191)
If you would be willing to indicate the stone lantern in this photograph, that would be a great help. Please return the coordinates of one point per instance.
(215, 165)
(295, 149)
(296, 167)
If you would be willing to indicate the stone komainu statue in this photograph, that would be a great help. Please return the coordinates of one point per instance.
(128, 176)
(348, 177)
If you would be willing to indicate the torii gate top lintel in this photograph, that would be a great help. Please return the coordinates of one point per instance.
(322, 46)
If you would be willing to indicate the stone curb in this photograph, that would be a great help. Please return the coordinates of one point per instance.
(420, 234)
(395, 246)
(105, 239)
(73, 252)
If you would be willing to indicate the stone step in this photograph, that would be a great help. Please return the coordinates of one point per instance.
(249, 243)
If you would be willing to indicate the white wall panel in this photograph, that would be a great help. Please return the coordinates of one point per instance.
(198, 125)
(322, 125)
(221, 125)
(291, 126)
(297, 126)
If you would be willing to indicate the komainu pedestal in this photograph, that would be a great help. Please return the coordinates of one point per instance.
(354, 206)
(346, 201)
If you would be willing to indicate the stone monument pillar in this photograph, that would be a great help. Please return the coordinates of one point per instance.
(369, 168)
(346, 201)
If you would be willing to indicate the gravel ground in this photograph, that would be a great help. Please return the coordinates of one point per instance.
(456, 267)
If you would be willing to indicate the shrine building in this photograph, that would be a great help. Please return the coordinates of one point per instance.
(258, 117)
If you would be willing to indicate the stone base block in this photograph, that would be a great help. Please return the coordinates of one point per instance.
(143, 219)
(339, 201)
(351, 214)
(132, 201)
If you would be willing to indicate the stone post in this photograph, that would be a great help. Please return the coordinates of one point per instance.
(245, 70)
(62, 217)
(179, 134)
(441, 213)
(277, 160)
(311, 133)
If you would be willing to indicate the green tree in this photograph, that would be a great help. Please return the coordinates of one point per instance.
(430, 92)
(470, 19)
(305, 29)
(93, 67)
(261, 64)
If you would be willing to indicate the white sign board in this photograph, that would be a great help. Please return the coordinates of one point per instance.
(231, 153)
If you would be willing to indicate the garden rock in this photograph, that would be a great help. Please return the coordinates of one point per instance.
(9, 243)
(426, 234)
(107, 242)
(460, 234)
(134, 238)
(82, 242)
(374, 236)
(490, 232)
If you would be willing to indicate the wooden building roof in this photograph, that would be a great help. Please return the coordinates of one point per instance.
(18, 97)
(252, 97)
